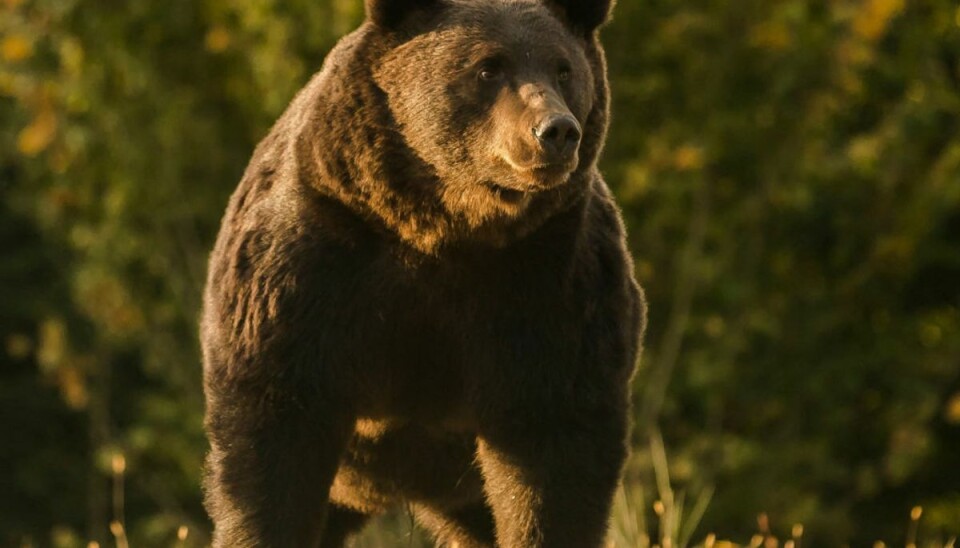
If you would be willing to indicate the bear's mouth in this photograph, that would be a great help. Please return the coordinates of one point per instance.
(506, 194)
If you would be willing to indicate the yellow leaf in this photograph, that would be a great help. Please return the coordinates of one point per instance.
(73, 387)
(71, 56)
(864, 151)
(714, 326)
(952, 410)
(217, 40)
(52, 345)
(37, 136)
(15, 48)
(874, 17)
(688, 158)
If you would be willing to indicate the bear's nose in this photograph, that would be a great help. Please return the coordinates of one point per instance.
(559, 135)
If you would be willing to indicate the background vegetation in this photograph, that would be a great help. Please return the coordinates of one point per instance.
(790, 173)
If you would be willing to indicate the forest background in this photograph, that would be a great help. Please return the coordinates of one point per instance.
(789, 171)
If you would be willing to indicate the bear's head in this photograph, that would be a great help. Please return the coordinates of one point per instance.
(476, 118)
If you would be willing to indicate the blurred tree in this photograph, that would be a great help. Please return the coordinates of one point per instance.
(44, 444)
(791, 171)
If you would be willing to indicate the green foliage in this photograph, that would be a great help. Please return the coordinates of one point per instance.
(790, 173)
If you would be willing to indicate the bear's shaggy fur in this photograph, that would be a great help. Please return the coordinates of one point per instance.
(421, 293)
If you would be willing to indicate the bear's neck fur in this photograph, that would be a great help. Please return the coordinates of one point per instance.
(348, 148)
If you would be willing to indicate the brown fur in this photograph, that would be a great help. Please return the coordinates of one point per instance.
(410, 301)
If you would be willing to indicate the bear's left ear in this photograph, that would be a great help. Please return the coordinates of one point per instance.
(389, 14)
(584, 15)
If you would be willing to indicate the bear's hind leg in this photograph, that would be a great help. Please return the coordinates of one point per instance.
(466, 527)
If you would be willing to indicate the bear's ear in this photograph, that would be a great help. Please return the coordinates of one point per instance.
(584, 15)
(389, 14)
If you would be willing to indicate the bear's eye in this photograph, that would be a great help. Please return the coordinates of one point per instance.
(490, 74)
(564, 73)
(491, 69)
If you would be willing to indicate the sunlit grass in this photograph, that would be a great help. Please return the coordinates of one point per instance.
(672, 527)
(656, 517)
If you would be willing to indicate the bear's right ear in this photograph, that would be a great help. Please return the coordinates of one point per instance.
(389, 14)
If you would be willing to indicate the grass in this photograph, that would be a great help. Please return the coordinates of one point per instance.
(640, 519)
(673, 527)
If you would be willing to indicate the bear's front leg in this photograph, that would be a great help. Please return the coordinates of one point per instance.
(551, 468)
(273, 457)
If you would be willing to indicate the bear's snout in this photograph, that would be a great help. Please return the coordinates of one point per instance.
(558, 136)
(546, 150)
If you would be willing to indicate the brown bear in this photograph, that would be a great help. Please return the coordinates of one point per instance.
(421, 293)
